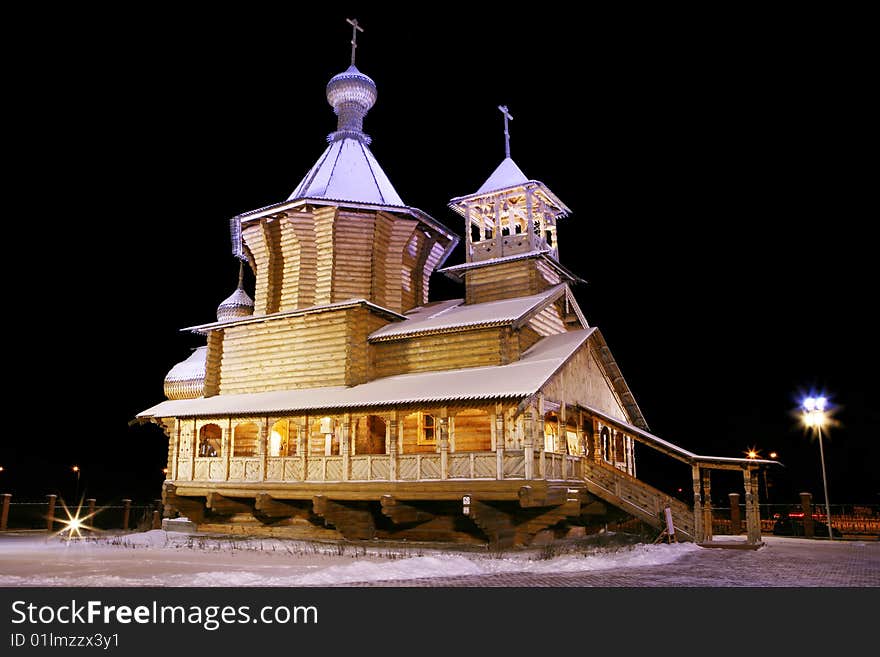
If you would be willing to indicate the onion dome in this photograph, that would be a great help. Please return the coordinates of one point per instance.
(351, 94)
(238, 304)
(186, 380)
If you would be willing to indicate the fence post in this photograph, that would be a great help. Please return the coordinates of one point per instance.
(807, 506)
(4, 514)
(735, 517)
(157, 520)
(126, 512)
(50, 514)
(91, 506)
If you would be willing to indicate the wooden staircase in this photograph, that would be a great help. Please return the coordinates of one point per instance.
(638, 498)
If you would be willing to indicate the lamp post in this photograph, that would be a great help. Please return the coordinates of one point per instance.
(815, 418)
(75, 470)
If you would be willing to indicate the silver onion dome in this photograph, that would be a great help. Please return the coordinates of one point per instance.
(351, 94)
(238, 304)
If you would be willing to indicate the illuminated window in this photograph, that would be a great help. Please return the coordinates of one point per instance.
(427, 430)
(549, 437)
(210, 439)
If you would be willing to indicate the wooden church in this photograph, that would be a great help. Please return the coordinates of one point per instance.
(340, 400)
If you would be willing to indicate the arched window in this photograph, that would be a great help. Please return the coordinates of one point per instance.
(210, 441)
(245, 439)
(606, 444)
(279, 439)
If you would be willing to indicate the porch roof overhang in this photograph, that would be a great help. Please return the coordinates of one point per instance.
(679, 453)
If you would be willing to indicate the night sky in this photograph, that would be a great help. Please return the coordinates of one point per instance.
(716, 178)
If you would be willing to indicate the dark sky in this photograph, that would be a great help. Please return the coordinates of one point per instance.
(716, 169)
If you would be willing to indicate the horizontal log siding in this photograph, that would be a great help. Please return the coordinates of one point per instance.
(289, 352)
(446, 351)
(473, 431)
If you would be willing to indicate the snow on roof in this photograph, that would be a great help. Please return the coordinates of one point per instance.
(348, 171)
(336, 305)
(506, 175)
(519, 379)
(450, 316)
(191, 368)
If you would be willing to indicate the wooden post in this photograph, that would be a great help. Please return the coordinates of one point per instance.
(807, 506)
(707, 505)
(126, 512)
(499, 442)
(443, 422)
(90, 505)
(50, 514)
(263, 448)
(757, 509)
(157, 520)
(735, 516)
(698, 506)
(303, 444)
(528, 444)
(391, 443)
(542, 455)
(4, 514)
(226, 440)
(753, 524)
(345, 445)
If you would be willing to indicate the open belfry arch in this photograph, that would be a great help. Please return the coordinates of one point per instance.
(339, 400)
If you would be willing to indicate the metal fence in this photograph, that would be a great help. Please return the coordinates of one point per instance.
(851, 520)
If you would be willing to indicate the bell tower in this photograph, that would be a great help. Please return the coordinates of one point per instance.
(512, 247)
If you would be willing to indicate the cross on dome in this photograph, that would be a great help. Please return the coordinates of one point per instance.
(355, 28)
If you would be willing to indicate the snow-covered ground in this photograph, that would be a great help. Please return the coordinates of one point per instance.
(160, 558)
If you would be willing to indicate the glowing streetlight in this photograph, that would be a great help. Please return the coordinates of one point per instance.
(814, 417)
(75, 470)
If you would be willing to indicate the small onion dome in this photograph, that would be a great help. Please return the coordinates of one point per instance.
(351, 86)
(238, 304)
(351, 94)
(186, 380)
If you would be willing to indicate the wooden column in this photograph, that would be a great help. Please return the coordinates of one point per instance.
(345, 446)
(194, 447)
(4, 512)
(529, 217)
(698, 506)
(542, 437)
(303, 444)
(225, 450)
(175, 451)
(707, 505)
(807, 507)
(126, 513)
(528, 443)
(753, 521)
(263, 448)
(391, 446)
(499, 442)
(443, 424)
(735, 516)
(50, 513)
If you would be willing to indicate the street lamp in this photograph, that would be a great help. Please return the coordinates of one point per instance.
(75, 470)
(814, 417)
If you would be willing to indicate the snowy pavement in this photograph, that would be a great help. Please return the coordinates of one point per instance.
(159, 558)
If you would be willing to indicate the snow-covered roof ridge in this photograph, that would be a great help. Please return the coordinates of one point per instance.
(515, 380)
(489, 313)
(348, 171)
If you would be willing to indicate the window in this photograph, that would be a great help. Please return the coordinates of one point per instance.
(210, 438)
(427, 430)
